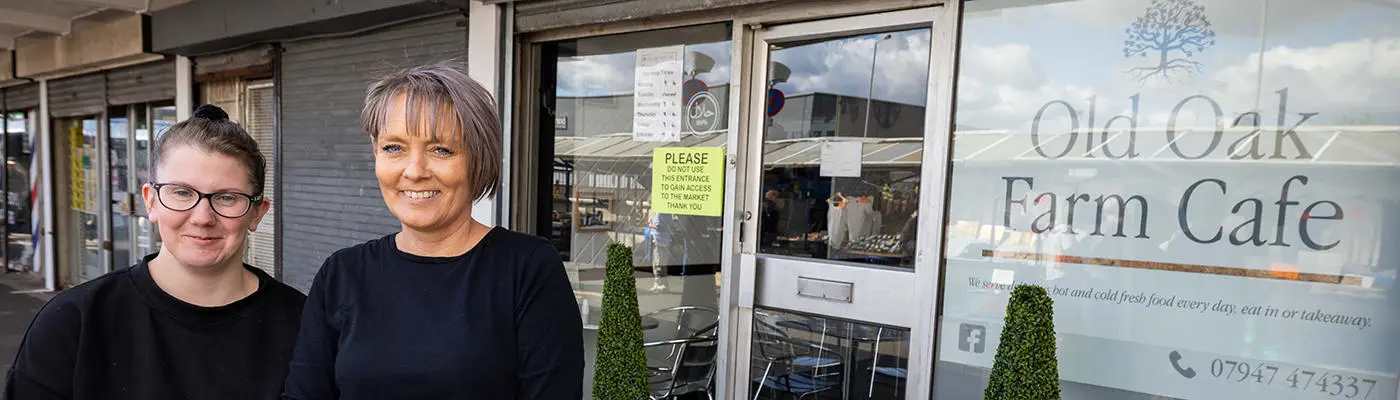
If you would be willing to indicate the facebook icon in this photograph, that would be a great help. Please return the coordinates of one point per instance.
(972, 338)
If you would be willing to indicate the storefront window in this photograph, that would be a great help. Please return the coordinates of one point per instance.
(841, 183)
(19, 148)
(1206, 188)
(119, 139)
(78, 166)
(162, 118)
(620, 103)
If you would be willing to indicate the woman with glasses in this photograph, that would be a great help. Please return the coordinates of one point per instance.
(189, 322)
(446, 308)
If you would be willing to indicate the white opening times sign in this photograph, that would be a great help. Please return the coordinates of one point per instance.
(657, 94)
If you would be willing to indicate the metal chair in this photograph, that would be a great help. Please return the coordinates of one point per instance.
(807, 368)
(897, 373)
(692, 369)
(690, 321)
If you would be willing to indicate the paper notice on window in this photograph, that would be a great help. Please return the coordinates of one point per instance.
(841, 159)
(657, 94)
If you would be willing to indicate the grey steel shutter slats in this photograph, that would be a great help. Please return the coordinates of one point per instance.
(141, 83)
(81, 95)
(259, 121)
(21, 97)
(327, 205)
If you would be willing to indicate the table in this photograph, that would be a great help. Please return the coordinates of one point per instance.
(594, 315)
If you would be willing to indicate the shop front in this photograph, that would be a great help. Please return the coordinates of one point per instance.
(19, 111)
(104, 124)
(834, 200)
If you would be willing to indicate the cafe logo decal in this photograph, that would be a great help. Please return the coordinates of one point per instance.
(1171, 32)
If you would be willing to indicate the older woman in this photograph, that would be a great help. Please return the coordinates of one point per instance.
(447, 308)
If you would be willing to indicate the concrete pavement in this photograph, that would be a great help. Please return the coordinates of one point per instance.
(16, 311)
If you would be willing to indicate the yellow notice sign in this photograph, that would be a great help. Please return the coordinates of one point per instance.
(688, 181)
(76, 181)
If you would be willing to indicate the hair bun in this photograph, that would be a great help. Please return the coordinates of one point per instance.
(210, 112)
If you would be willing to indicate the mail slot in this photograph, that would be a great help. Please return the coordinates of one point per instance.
(824, 289)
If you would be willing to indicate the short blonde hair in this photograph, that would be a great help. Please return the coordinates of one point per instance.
(438, 88)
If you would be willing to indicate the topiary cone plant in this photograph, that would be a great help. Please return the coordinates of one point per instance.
(1025, 367)
(620, 372)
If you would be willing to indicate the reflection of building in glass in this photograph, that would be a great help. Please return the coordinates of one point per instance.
(808, 115)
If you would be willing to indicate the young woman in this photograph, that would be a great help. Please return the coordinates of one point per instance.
(447, 308)
(189, 322)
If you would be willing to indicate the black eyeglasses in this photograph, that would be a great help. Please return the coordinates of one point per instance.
(179, 197)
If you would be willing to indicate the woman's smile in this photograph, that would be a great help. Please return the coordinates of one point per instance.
(420, 194)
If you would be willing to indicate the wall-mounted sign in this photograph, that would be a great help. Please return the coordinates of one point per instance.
(688, 181)
(656, 94)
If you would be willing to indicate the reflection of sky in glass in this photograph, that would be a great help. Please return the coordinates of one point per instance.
(14, 123)
(164, 118)
(613, 74)
(1340, 59)
(843, 67)
(117, 128)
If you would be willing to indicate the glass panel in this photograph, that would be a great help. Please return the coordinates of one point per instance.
(802, 356)
(118, 126)
(1206, 189)
(82, 186)
(19, 148)
(840, 183)
(162, 118)
(141, 158)
(119, 139)
(602, 181)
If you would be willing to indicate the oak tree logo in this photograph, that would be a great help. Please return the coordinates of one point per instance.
(1171, 32)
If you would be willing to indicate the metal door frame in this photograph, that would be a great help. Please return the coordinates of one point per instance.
(880, 295)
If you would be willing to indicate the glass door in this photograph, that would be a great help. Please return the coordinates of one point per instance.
(834, 177)
(149, 126)
(19, 150)
(84, 219)
(122, 203)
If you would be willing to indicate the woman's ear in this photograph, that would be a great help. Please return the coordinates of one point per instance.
(259, 211)
(148, 196)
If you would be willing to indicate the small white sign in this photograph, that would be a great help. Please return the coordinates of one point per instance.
(842, 159)
(657, 94)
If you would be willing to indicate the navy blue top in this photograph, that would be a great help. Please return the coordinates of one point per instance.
(121, 336)
(499, 322)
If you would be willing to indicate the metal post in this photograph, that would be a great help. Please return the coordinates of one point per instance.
(874, 55)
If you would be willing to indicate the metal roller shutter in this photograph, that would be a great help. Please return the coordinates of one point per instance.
(259, 121)
(21, 97)
(142, 83)
(330, 196)
(82, 95)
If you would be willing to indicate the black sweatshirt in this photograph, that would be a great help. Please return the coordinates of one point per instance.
(121, 337)
(499, 322)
